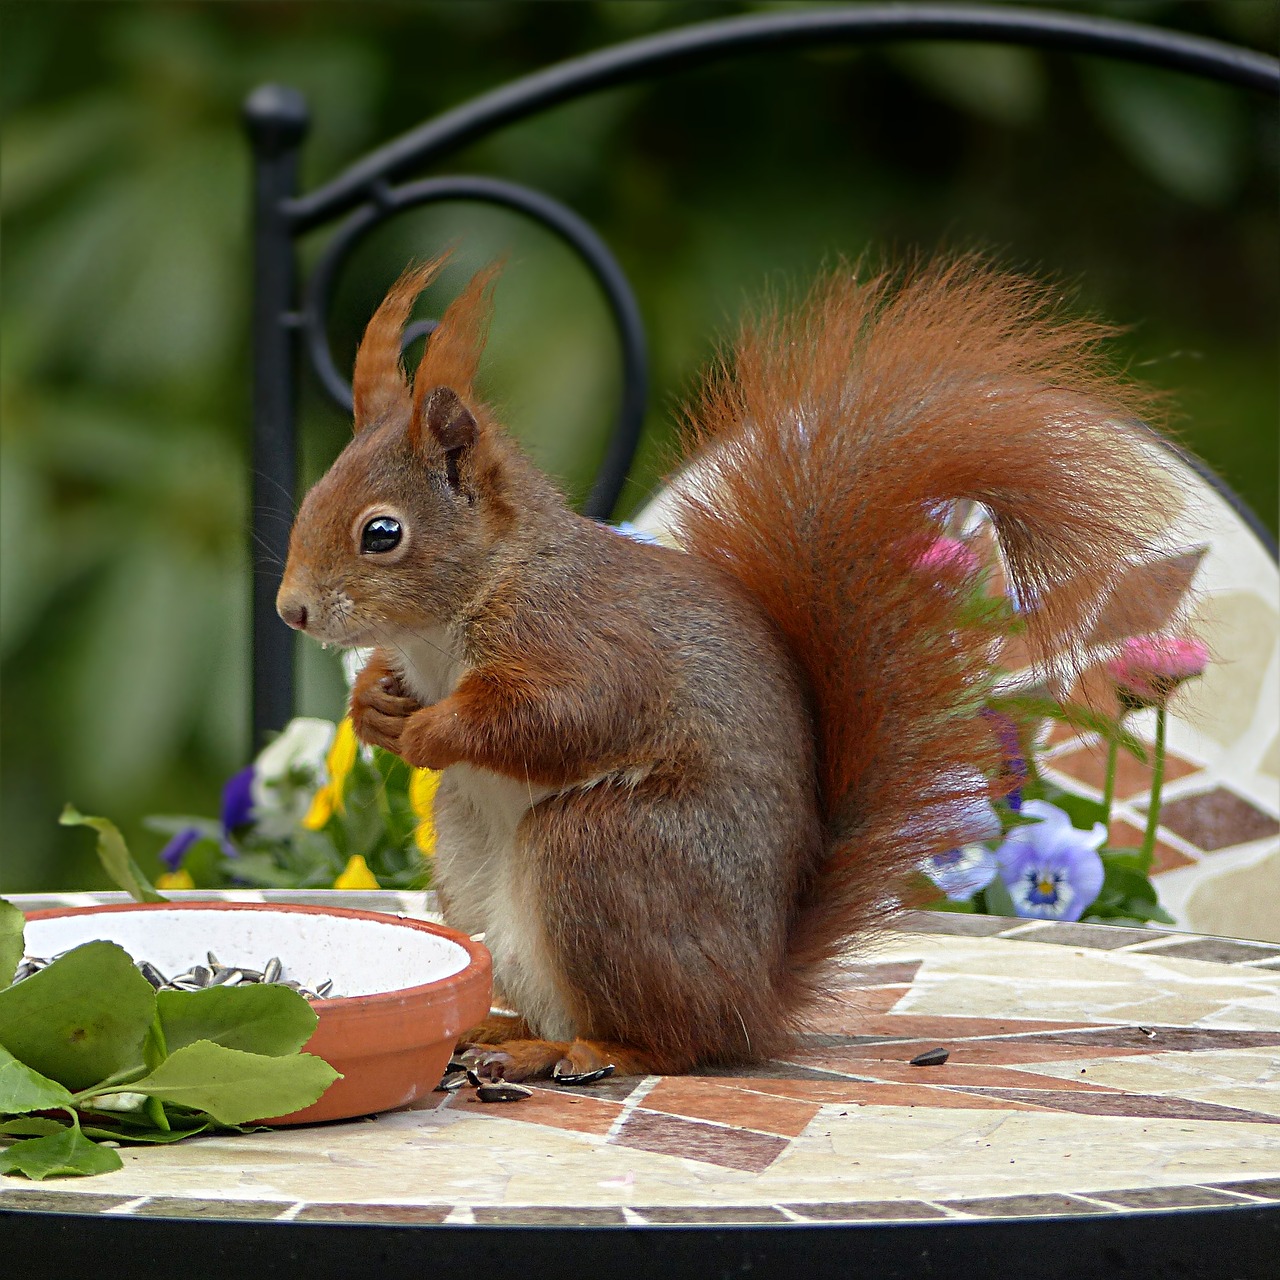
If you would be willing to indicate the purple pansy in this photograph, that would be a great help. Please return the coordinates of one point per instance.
(1013, 763)
(237, 799)
(174, 852)
(1051, 869)
(960, 873)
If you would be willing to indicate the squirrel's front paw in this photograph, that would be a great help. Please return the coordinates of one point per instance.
(425, 739)
(379, 709)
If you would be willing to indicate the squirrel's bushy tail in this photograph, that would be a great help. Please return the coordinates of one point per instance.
(823, 450)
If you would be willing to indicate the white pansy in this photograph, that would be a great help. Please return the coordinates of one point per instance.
(298, 753)
(354, 662)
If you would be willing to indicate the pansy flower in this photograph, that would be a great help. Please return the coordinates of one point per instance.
(960, 873)
(1051, 869)
(338, 762)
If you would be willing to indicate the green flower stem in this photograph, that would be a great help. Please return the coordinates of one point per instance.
(1109, 794)
(1157, 783)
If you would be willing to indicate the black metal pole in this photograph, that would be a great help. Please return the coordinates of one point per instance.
(276, 119)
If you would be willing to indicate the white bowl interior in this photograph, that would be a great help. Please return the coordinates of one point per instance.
(362, 957)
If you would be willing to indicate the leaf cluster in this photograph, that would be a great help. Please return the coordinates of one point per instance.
(92, 1057)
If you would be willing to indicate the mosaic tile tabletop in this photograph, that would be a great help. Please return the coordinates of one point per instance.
(1090, 1070)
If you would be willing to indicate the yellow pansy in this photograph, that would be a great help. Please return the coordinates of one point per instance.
(423, 784)
(356, 875)
(175, 880)
(321, 809)
(341, 756)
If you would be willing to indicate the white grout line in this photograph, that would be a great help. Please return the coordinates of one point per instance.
(130, 1206)
(637, 1095)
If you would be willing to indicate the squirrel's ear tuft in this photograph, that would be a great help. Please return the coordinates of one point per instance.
(453, 350)
(379, 386)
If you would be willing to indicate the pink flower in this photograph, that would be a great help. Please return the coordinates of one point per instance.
(948, 557)
(1149, 668)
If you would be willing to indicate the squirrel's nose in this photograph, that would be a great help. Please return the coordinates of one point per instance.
(293, 611)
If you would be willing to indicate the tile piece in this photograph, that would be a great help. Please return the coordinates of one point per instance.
(1216, 819)
(1133, 778)
(1022, 1206)
(1221, 950)
(713, 1144)
(190, 1207)
(951, 923)
(956, 1071)
(885, 973)
(1165, 1197)
(547, 1106)
(1164, 857)
(40, 1201)
(388, 1213)
(711, 1213)
(862, 1210)
(702, 1099)
(539, 1216)
(1091, 936)
(1166, 1038)
(1267, 1188)
(1149, 1106)
(1147, 597)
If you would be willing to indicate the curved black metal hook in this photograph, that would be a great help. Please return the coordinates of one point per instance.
(688, 46)
(578, 234)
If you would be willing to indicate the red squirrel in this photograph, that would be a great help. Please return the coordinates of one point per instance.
(679, 783)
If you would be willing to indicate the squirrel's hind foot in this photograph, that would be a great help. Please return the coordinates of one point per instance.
(556, 1059)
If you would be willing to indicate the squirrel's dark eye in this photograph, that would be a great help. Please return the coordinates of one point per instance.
(379, 535)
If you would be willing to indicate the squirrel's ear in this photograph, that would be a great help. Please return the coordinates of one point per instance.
(449, 421)
(450, 426)
(453, 350)
(379, 387)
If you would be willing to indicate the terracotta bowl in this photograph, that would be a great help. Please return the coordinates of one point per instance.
(404, 990)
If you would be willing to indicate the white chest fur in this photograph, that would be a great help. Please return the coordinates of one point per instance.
(479, 867)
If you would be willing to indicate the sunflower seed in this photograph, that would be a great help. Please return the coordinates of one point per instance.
(450, 1081)
(931, 1058)
(152, 974)
(503, 1091)
(581, 1077)
(273, 970)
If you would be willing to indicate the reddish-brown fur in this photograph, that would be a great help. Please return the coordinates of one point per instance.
(732, 757)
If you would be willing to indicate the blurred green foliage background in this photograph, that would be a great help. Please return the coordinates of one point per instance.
(126, 289)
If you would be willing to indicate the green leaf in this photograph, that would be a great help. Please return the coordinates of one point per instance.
(234, 1087)
(11, 925)
(59, 1155)
(115, 856)
(996, 899)
(30, 1126)
(261, 1018)
(22, 1089)
(81, 1019)
(145, 1135)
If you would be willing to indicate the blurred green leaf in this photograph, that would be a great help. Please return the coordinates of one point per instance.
(115, 856)
(1185, 133)
(1001, 83)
